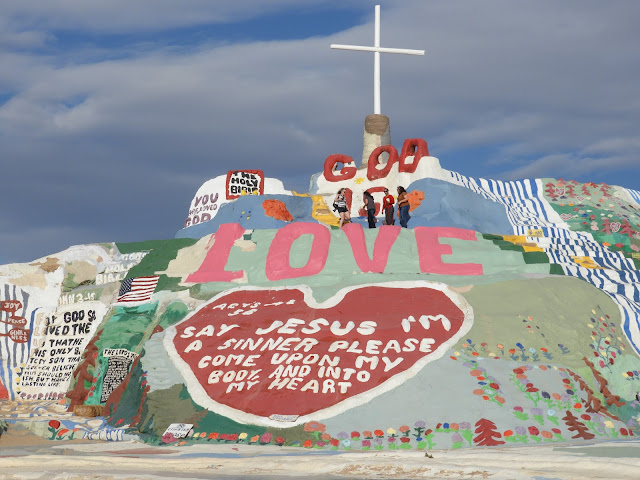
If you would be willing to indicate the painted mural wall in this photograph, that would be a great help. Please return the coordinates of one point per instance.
(508, 312)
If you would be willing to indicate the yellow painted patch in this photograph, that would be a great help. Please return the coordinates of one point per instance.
(586, 262)
(319, 209)
(522, 241)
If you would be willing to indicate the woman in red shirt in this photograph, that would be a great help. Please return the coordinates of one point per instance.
(387, 207)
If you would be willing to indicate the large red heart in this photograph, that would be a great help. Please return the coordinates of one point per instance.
(269, 356)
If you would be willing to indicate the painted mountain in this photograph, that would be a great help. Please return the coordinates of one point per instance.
(507, 312)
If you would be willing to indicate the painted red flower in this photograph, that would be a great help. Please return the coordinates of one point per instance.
(54, 424)
(534, 430)
(314, 427)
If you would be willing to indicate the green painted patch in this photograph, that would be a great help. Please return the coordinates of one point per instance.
(161, 252)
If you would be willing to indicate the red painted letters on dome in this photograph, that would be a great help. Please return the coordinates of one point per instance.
(265, 352)
(347, 172)
(412, 147)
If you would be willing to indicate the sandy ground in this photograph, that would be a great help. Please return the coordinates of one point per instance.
(26, 456)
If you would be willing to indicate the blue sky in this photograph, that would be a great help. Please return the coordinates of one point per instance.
(112, 114)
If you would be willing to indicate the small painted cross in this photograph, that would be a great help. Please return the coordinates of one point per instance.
(377, 50)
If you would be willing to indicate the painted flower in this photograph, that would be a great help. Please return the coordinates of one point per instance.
(378, 433)
(534, 430)
(343, 435)
(465, 425)
(420, 424)
(518, 409)
(404, 429)
(586, 416)
(325, 436)
(456, 437)
(335, 442)
(54, 424)
(366, 434)
(546, 434)
(508, 433)
(391, 431)
(307, 444)
(521, 430)
(557, 431)
(357, 434)
(366, 443)
(551, 412)
(314, 427)
(391, 439)
(346, 442)
(405, 439)
(454, 426)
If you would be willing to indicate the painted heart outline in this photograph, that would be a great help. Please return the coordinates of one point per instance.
(363, 341)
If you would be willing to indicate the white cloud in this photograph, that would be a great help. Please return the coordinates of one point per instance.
(556, 82)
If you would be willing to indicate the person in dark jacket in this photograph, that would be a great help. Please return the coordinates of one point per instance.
(370, 206)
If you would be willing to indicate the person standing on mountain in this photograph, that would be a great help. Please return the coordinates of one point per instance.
(387, 207)
(340, 204)
(370, 206)
(403, 206)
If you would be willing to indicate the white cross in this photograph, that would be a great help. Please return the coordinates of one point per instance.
(377, 49)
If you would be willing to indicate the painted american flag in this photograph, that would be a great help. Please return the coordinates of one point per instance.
(138, 289)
